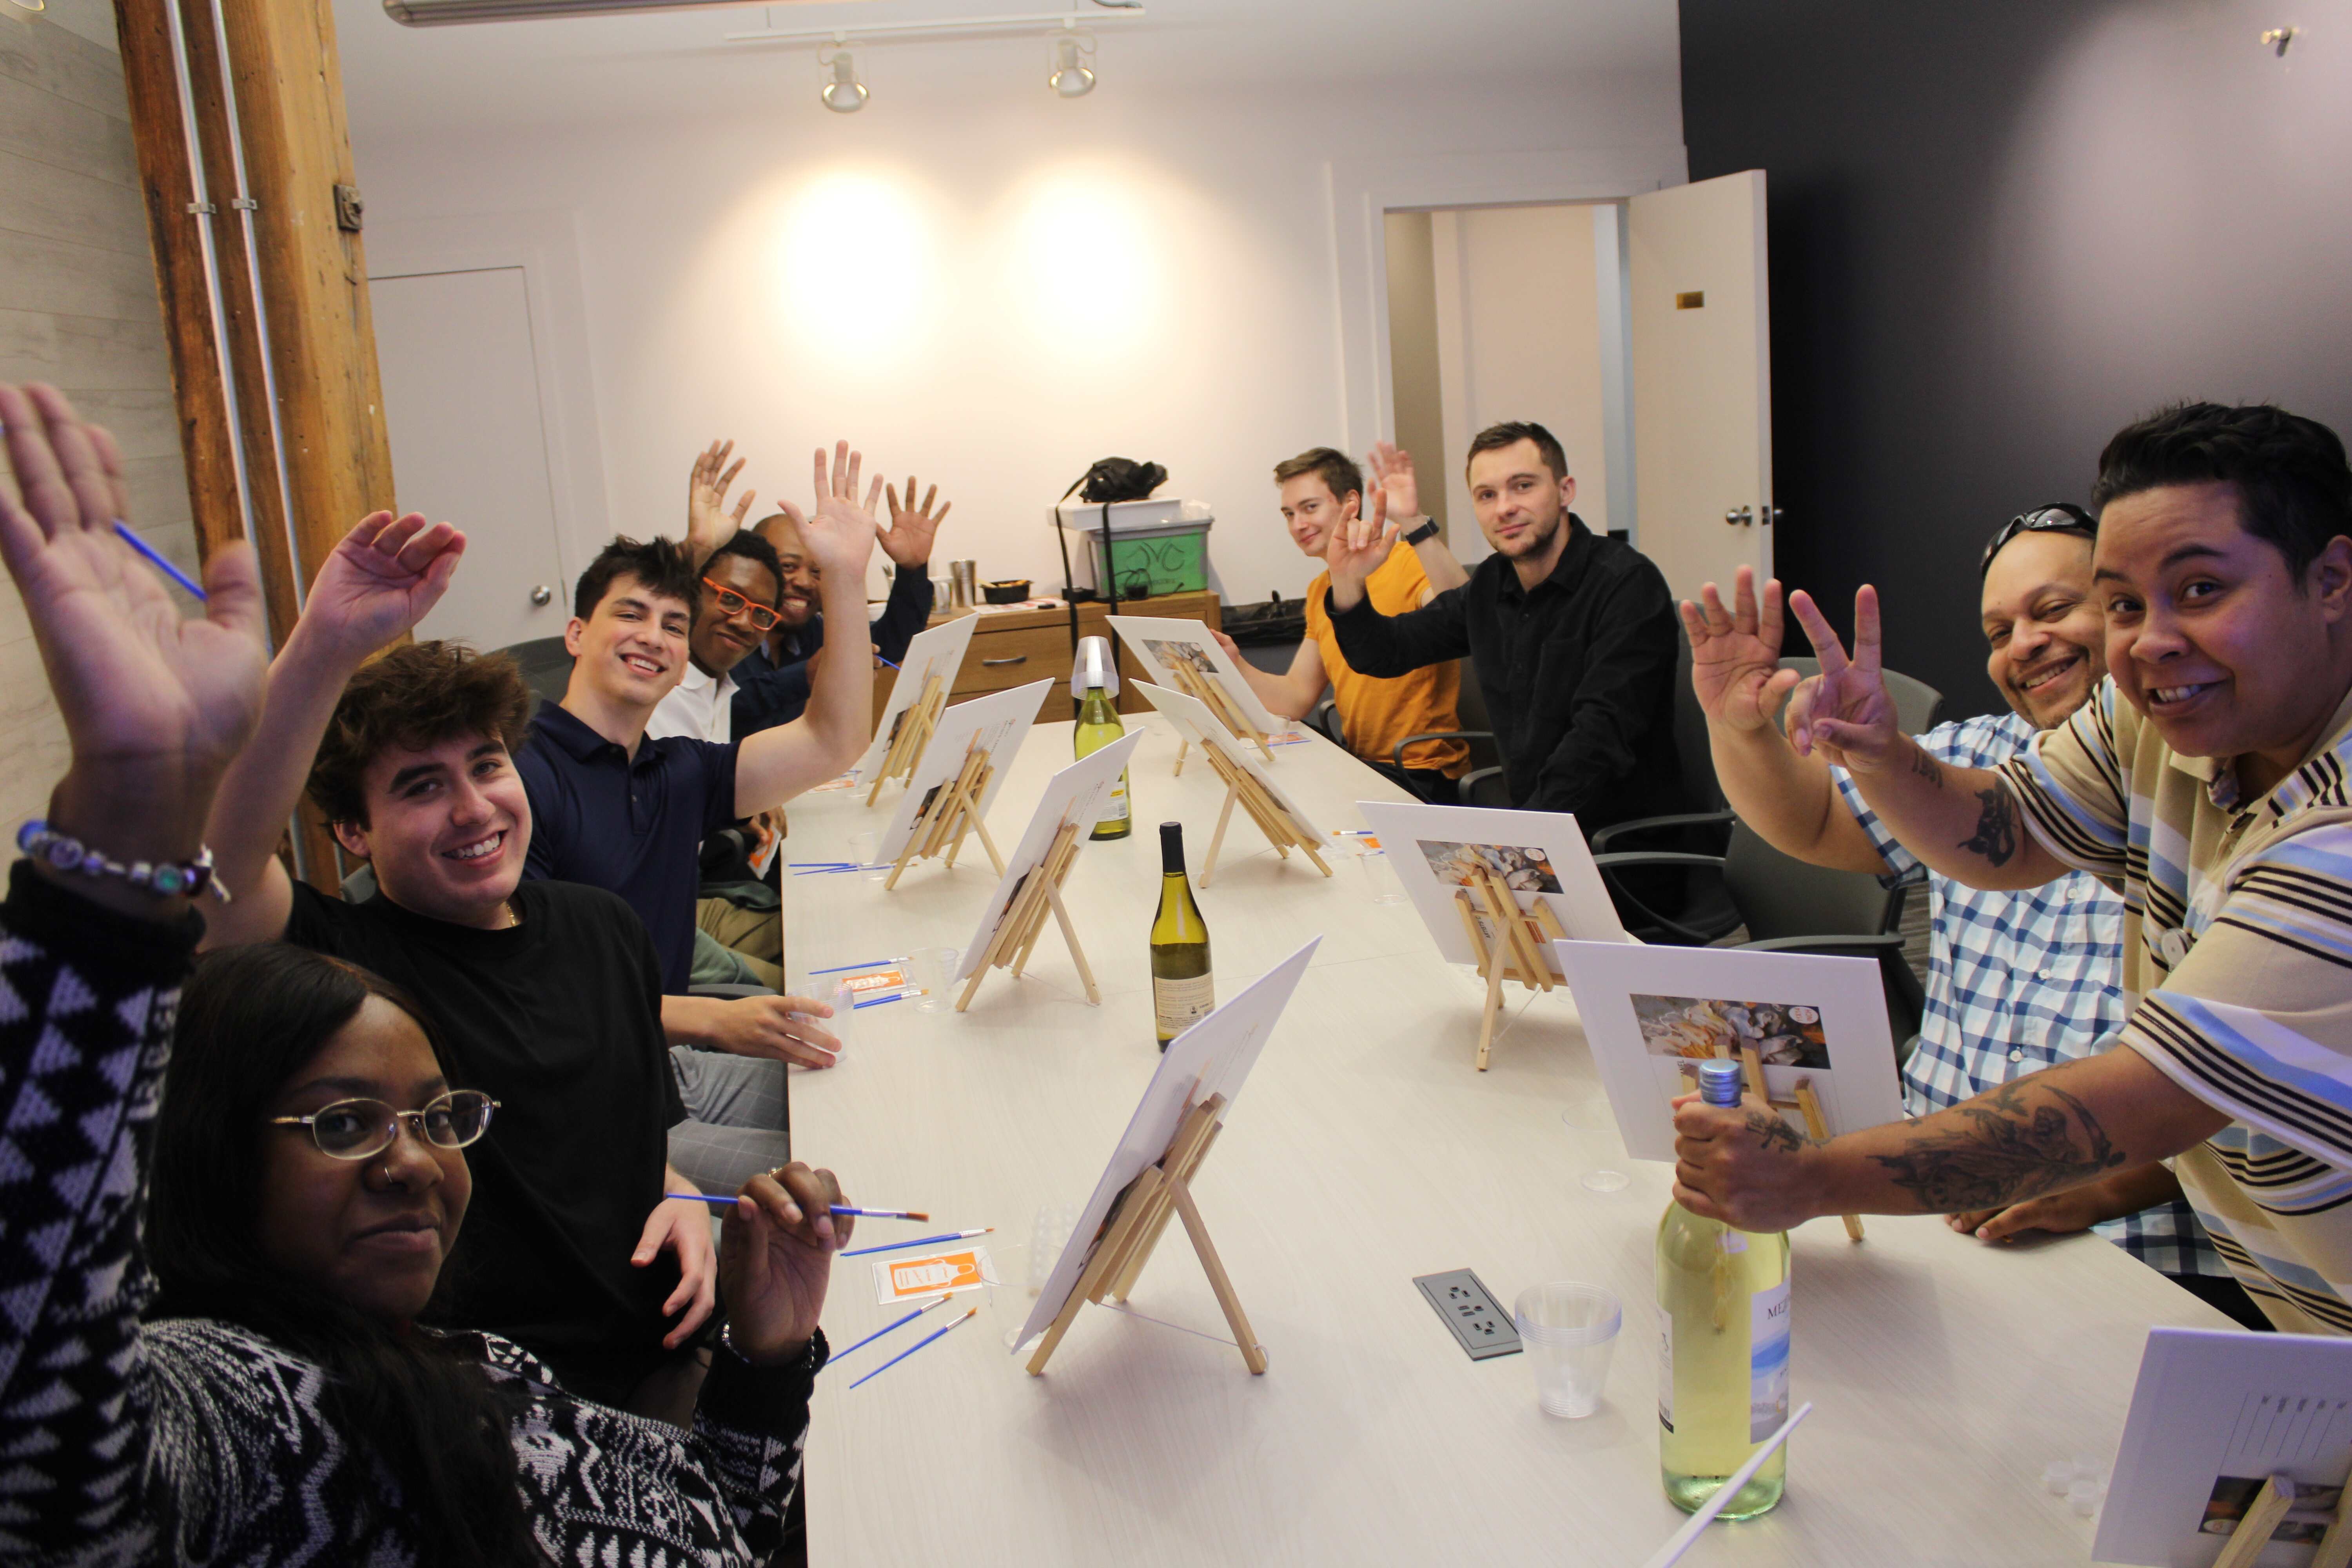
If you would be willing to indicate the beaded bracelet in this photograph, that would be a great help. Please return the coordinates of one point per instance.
(63, 852)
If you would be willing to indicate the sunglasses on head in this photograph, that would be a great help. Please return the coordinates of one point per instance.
(2058, 517)
(731, 603)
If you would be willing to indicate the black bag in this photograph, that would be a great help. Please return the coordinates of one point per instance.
(1110, 479)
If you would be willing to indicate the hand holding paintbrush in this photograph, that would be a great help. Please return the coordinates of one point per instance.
(775, 1250)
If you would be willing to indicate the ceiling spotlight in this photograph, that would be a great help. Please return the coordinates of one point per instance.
(1072, 76)
(843, 92)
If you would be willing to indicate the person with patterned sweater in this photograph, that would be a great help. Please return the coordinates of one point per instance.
(276, 1403)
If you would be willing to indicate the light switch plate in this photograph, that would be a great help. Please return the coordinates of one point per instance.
(1470, 1309)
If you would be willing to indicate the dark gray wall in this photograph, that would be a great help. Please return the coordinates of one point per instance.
(2001, 229)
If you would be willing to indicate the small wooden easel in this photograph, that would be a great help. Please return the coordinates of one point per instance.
(1518, 955)
(1024, 919)
(1281, 829)
(2262, 1517)
(1133, 1229)
(1211, 694)
(953, 812)
(1807, 1105)
(916, 724)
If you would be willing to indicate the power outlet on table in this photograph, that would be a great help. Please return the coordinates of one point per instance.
(1470, 1310)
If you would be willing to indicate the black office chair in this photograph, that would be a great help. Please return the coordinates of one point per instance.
(546, 667)
(1482, 785)
(1788, 906)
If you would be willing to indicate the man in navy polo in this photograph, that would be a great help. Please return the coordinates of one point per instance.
(617, 809)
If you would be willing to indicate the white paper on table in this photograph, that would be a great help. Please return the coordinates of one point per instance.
(1648, 1012)
(2215, 1411)
(997, 723)
(1214, 1057)
(1077, 793)
(1539, 855)
(1195, 723)
(1196, 645)
(938, 649)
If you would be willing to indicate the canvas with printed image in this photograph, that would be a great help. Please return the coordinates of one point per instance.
(1782, 1033)
(1442, 852)
(1524, 867)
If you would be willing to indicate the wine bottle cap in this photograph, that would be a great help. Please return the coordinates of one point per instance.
(1171, 847)
(1719, 1081)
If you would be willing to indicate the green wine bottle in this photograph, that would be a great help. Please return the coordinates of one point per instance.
(1723, 1346)
(1182, 990)
(1097, 726)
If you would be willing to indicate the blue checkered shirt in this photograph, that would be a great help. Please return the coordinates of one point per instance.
(2020, 981)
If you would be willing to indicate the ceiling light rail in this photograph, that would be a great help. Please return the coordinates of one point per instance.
(837, 35)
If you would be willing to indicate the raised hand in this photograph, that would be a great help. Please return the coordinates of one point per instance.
(155, 706)
(775, 1257)
(1845, 710)
(709, 523)
(1736, 654)
(839, 532)
(1393, 474)
(385, 577)
(909, 540)
(1357, 548)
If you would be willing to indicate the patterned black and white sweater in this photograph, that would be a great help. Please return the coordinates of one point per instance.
(197, 1441)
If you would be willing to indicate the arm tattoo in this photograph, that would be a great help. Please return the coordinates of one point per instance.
(1927, 767)
(2007, 1151)
(1775, 1133)
(1995, 835)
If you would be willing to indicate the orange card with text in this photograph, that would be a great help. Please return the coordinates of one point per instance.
(937, 1274)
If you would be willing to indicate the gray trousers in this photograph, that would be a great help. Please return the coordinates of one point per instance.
(739, 1118)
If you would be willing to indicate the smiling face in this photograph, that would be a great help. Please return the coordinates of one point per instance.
(373, 1233)
(2044, 627)
(632, 649)
(1313, 513)
(720, 641)
(798, 601)
(2211, 636)
(447, 830)
(1522, 505)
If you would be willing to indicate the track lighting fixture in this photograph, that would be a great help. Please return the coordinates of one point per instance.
(1072, 76)
(843, 92)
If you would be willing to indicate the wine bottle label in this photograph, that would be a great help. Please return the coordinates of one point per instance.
(1115, 804)
(1180, 1003)
(1768, 1361)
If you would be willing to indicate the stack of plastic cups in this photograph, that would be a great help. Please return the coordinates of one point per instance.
(1570, 1330)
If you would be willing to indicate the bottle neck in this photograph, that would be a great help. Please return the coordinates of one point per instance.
(1172, 850)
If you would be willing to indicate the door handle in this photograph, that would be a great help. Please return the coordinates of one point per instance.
(1770, 515)
(992, 663)
(1739, 517)
(542, 596)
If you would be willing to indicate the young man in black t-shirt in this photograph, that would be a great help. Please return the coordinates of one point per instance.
(549, 994)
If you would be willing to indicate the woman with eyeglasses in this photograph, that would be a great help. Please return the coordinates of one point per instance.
(247, 1384)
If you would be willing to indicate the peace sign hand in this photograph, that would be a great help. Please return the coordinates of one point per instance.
(1736, 654)
(1845, 710)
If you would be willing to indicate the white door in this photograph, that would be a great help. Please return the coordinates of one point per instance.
(1702, 366)
(461, 402)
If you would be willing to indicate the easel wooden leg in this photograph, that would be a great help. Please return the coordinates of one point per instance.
(1253, 1352)
(1809, 1106)
(1183, 747)
(1098, 1270)
(1217, 839)
(2254, 1532)
(1491, 1010)
(2335, 1549)
(1077, 953)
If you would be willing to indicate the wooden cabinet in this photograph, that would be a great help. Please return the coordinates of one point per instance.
(1013, 648)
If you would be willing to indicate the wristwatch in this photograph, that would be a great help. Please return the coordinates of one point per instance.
(1426, 531)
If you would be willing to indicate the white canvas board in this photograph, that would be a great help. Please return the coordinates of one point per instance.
(1079, 793)
(1214, 1057)
(997, 723)
(1541, 854)
(938, 648)
(1194, 722)
(2215, 1411)
(1649, 1012)
(1161, 645)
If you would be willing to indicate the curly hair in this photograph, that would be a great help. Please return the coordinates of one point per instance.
(2295, 489)
(415, 696)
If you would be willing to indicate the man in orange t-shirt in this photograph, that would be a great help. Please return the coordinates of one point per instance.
(1322, 491)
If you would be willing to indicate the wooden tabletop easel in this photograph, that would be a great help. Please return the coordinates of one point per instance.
(1282, 830)
(915, 722)
(1211, 694)
(1136, 1222)
(1024, 919)
(2262, 1517)
(1515, 951)
(953, 811)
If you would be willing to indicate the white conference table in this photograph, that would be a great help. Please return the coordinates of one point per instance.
(1365, 1150)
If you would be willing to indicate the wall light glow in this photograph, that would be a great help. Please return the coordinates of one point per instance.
(1088, 267)
(859, 270)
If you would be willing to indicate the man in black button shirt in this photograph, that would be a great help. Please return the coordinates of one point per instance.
(1573, 634)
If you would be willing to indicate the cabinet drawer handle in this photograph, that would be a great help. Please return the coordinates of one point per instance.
(992, 663)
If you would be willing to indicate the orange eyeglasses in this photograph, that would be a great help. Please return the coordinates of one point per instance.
(732, 603)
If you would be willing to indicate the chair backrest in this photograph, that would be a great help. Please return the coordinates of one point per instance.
(1692, 753)
(1780, 896)
(1470, 706)
(1917, 705)
(1487, 788)
(546, 667)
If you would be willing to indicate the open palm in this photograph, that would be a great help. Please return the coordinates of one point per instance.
(1736, 653)
(839, 532)
(709, 523)
(384, 577)
(1393, 473)
(913, 528)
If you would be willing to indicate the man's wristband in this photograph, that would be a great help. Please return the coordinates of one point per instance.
(1425, 533)
(170, 879)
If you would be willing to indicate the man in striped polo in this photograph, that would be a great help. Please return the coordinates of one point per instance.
(2016, 980)
(2206, 780)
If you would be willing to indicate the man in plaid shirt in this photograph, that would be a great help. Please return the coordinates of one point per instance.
(2018, 981)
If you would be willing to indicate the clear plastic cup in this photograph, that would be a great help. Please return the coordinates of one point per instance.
(842, 1024)
(1568, 1330)
(1381, 885)
(931, 970)
(862, 847)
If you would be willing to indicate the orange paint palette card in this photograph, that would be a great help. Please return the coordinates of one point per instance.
(934, 1274)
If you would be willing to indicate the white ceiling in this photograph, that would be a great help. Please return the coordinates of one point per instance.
(665, 63)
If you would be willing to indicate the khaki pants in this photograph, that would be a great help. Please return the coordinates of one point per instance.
(757, 936)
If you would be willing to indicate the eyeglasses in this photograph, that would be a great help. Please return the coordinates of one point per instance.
(2058, 517)
(732, 602)
(363, 1128)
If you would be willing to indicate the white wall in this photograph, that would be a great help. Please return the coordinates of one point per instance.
(969, 278)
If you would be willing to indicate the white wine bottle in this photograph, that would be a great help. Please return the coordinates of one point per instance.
(1723, 1346)
(1097, 726)
(1182, 990)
